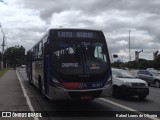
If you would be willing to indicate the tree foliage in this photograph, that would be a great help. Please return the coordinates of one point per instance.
(14, 56)
(142, 64)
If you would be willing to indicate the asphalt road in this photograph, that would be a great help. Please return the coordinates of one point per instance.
(105, 106)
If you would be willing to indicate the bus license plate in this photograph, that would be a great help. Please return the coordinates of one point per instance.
(86, 97)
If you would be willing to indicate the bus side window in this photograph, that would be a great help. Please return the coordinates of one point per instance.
(33, 55)
(40, 53)
(36, 52)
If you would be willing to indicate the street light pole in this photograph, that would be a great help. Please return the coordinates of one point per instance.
(2, 45)
(129, 46)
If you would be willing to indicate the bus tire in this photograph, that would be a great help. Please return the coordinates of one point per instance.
(41, 92)
(39, 86)
(30, 80)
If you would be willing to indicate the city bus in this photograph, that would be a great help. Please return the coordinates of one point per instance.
(70, 64)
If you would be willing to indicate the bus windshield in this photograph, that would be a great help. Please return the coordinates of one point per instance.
(80, 57)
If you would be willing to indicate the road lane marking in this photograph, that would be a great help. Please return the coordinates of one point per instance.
(25, 95)
(126, 108)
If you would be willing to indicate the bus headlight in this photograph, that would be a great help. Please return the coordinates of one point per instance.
(109, 82)
(56, 83)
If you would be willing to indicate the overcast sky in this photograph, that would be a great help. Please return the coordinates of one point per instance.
(25, 21)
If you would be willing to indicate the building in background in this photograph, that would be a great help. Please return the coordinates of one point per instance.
(137, 55)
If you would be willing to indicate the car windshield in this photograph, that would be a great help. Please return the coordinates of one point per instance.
(154, 72)
(121, 73)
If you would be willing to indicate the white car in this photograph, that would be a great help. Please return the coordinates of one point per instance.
(150, 68)
(124, 84)
(23, 66)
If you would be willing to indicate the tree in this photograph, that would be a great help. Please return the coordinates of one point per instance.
(14, 56)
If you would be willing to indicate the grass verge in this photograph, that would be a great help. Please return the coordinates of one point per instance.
(3, 71)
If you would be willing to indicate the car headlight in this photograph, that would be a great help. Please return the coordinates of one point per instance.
(127, 83)
(146, 84)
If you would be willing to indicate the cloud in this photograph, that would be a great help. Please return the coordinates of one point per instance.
(24, 21)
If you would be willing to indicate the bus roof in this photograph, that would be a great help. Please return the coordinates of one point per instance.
(74, 29)
(63, 29)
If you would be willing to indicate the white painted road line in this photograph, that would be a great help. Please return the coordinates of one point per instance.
(125, 107)
(26, 96)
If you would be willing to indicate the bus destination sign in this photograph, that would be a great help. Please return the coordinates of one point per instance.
(63, 34)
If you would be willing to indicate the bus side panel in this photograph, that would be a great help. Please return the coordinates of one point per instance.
(29, 66)
(46, 70)
(38, 71)
(34, 74)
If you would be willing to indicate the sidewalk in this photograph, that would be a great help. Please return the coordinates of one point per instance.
(11, 95)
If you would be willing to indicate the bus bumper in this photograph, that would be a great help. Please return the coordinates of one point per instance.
(63, 94)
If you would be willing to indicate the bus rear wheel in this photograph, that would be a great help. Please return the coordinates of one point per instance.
(41, 91)
(30, 80)
(39, 86)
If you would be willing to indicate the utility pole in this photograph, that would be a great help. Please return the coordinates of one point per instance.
(3, 44)
(129, 46)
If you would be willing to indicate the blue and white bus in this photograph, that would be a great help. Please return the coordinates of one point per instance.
(70, 64)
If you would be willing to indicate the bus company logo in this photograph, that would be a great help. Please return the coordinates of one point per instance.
(6, 114)
(82, 85)
(94, 66)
